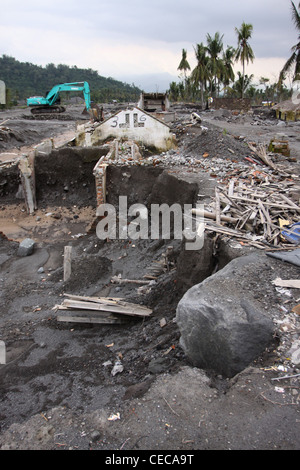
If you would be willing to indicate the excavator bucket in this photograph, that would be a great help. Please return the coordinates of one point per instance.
(95, 112)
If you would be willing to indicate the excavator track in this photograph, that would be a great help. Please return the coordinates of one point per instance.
(42, 110)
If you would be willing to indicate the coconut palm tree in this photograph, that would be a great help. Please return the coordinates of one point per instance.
(242, 83)
(184, 65)
(244, 52)
(214, 48)
(200, 74)
(228, 57)
(295, 57)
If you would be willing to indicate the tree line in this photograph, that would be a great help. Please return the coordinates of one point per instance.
(24, 79)
(214, 75)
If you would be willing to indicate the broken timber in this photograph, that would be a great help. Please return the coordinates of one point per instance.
(104, 310)
(254, 214)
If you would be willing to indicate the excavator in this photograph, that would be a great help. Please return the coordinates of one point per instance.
(50, 104)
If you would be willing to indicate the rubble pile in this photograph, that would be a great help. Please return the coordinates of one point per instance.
(257, 210)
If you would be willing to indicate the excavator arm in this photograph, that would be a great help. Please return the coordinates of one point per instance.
(53, 95)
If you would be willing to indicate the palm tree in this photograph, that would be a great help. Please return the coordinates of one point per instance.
(214, 48)
(184, 65)
(200, 74)
(244, 52)
(242, 83)
(295, 57)
(228, 57)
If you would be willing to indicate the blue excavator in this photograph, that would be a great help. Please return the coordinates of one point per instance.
(50, 104)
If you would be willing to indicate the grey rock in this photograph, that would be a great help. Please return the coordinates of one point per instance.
(26, 247)
(223, 327)
(294, 352)
(117, 369)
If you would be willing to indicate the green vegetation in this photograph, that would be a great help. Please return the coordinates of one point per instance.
(184, 65)
(213, 75)
(24, 79)
(294, 60)
(244, 52)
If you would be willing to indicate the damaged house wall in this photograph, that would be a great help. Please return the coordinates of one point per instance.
(154, 102)
(131, 124)
(158, 105)
(287, 111)
(67, 171)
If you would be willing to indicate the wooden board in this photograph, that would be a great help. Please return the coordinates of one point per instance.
(90, 319)
(131, 309)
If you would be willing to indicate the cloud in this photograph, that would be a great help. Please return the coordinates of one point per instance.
(136, 36)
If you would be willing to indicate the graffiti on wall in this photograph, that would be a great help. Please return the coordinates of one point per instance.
(132, 119)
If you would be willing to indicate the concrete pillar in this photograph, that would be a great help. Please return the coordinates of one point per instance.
(26, 167)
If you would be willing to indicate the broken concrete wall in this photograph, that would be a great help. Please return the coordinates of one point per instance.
(27, 173)
(151, 102)
(131, 124)
(239, 104)
(65, 176)
(148, 185)
(9, 182)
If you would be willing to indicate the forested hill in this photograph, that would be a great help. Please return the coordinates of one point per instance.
(24, 79)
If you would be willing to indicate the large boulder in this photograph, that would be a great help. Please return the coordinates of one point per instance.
(26, 247)
(223, 324)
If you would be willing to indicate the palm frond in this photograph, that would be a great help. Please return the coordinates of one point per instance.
(296, 16)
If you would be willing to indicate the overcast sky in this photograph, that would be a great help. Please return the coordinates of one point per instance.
(127, 38)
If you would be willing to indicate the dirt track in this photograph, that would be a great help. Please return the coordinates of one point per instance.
(57, 390)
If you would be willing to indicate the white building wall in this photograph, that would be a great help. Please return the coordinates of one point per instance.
(135, 124)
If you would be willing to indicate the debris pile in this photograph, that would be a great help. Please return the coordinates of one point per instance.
(255, 214)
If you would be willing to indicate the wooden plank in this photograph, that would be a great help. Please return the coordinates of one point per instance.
(231, 188)
(83, 319)
(229, 198)
(217, 205)
(267, 217)
(292, 283)
(117, 280)
(292, 204)
(212, 215)
(107, 301)
(243, 220)
(280, 206)
(127, 310)
(67, 262)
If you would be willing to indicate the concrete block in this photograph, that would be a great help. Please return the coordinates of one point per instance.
(26, 247)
